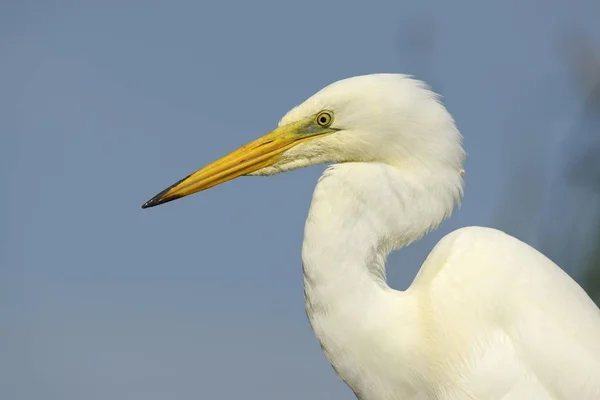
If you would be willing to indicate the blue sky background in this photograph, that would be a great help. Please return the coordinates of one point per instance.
(104, 103)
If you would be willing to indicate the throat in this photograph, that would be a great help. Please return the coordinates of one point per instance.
(346, 240)
(361, 212)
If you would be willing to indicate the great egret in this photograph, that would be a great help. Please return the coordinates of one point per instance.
(487, 316)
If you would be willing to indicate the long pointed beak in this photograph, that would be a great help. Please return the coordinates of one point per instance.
(261, 153)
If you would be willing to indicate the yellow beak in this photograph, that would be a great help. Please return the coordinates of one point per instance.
(261, 153)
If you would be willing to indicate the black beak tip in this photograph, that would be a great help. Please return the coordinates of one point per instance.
(160, 199)
(148, 204)
(155, 201)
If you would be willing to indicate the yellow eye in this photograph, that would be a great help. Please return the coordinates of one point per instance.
(324, 119)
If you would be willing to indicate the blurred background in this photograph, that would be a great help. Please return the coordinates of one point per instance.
(104, 103)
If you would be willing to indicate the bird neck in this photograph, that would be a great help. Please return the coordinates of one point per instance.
(361, 212)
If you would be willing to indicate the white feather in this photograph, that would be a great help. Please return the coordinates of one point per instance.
(487, 317)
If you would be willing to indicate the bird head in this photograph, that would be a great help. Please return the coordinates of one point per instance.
(385, 118)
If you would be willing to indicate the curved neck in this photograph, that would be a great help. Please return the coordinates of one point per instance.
(359, 213)
(362, 211)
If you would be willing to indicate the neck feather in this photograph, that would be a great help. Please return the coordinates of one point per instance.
(359, 213)
(362, 211)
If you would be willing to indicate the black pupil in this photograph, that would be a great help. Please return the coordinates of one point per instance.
(323, 119)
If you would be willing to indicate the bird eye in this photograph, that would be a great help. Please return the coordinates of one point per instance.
(324, 119)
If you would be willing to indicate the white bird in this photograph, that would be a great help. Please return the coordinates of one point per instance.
(487, 316)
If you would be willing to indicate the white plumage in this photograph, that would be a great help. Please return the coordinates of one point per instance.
(487, 316)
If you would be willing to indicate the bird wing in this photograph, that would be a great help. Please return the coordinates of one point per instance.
(506, 322)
